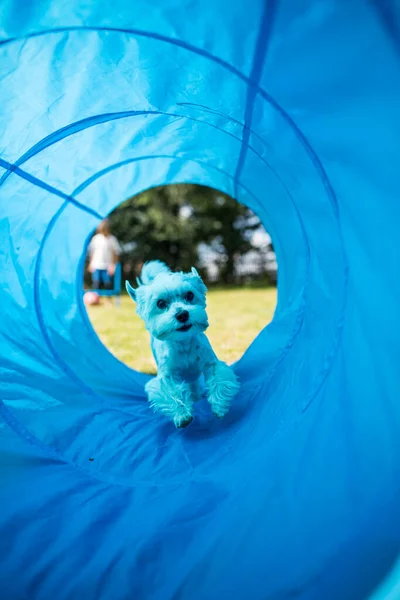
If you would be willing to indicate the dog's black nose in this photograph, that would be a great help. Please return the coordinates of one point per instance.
(182, 316)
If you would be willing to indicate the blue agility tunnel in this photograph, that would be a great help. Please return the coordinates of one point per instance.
(292, 107)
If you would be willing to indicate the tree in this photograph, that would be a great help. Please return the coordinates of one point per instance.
(151, 226)
(169, 222)
(224, 224)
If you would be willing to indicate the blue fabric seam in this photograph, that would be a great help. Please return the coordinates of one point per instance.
(38, 307)
(66, 131)
(255, 76)
(134, 32)
(52, 190)
(77, 127)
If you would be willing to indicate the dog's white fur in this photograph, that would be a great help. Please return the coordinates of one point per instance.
(181, 349)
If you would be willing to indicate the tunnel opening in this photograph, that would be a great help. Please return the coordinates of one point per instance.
(183, 225)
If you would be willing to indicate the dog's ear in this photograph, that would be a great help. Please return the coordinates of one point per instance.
(198, 282)
(130, 290)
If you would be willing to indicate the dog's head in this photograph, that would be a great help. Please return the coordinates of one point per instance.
(173, 305)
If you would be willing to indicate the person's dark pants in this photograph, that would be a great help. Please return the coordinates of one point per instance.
(101, 278)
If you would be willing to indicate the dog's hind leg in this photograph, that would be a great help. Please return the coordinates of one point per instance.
(222, 387)
(172, 399)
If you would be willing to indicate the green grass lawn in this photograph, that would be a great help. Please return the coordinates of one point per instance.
(236, 317)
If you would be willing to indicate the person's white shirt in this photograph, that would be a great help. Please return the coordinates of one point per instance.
(102, 251)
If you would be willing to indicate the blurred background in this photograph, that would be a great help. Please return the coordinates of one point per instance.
(188, 225)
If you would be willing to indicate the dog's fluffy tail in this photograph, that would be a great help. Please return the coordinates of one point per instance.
(151, 269)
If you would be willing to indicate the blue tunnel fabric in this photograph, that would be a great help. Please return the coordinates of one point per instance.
(293, 108)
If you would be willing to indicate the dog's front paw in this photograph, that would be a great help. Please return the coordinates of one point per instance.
(221, 403)
(182, 421)
(223, 386)
(220, 412)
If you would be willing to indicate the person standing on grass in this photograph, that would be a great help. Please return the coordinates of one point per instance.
(104, 251)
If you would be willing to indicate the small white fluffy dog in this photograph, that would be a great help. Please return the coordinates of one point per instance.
(173, 308)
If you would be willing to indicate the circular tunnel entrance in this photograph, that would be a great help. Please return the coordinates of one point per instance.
(183, 225)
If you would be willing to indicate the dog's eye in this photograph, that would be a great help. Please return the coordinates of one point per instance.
(162, 304)
(189, 296)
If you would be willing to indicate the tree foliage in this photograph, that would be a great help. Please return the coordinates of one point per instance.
(170, 222)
